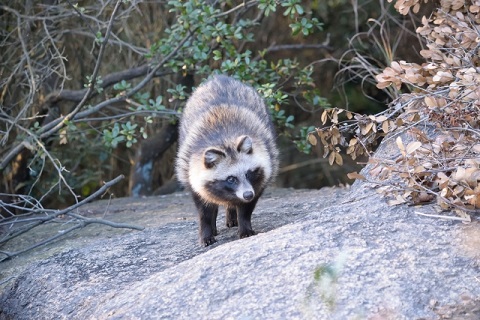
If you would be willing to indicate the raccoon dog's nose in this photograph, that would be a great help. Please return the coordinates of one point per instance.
(248, 195)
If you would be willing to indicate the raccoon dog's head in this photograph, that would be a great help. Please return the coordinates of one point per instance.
(232, 174)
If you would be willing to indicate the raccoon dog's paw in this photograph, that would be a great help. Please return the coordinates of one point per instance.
(246, 233)
(206, 241)
(232, 223)
(231, 218)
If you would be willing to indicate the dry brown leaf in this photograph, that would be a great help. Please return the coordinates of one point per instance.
(400, 145)
(355, 175)
(338, 158)
(419, 169)
(312, 139)
(324, 116)
(413, 146)
(385, 126)
(398, 200)
(334, 117)
(446, 92)
(430, 101)
(365, 129)
(381, 119)
(443, 77)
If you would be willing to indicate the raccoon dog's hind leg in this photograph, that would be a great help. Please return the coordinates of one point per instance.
(231, 217)
(208, 220)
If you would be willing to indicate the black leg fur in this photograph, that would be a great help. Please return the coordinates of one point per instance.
(214, 223)
(231, 217)
(207, 214)
(244, 215)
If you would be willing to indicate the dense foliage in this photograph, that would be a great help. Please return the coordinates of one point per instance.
(83, 84)
(436, 103)
(124, 62)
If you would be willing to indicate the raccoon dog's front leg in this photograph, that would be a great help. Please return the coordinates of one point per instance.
(207, 213)
(244, 215)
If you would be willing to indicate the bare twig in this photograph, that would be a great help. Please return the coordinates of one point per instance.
(65, 211)
(79, 220)
(443, 217)
(245, 5)
(139, 86)
(285, 47)
(55, 125)
(43, 132)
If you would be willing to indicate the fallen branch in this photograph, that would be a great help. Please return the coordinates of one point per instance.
(79, 220)
(444, 217)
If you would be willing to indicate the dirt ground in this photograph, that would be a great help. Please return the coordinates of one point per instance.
(161, 210)
(147, 212)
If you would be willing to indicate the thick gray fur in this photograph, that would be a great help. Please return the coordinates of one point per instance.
(218, 114)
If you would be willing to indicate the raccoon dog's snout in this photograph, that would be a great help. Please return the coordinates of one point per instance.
(248, 195)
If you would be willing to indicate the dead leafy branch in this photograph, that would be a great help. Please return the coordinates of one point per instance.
(36, 215)
(442, 164)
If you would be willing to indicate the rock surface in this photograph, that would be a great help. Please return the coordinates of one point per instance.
(319, 254)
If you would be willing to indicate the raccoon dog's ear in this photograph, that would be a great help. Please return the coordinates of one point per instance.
(212, 157)
(244, 144)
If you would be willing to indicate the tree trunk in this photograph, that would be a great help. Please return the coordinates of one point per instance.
(149, 151)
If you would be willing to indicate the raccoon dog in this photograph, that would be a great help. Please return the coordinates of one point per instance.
(227, 153)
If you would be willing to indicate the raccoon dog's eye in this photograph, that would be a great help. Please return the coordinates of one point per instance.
(232, 180)
(252, 173)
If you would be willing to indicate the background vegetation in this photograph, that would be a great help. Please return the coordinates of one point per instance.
(91, 92)
(83, 84)
(433, 119)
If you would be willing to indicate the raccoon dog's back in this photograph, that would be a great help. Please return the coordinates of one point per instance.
(219, 113)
